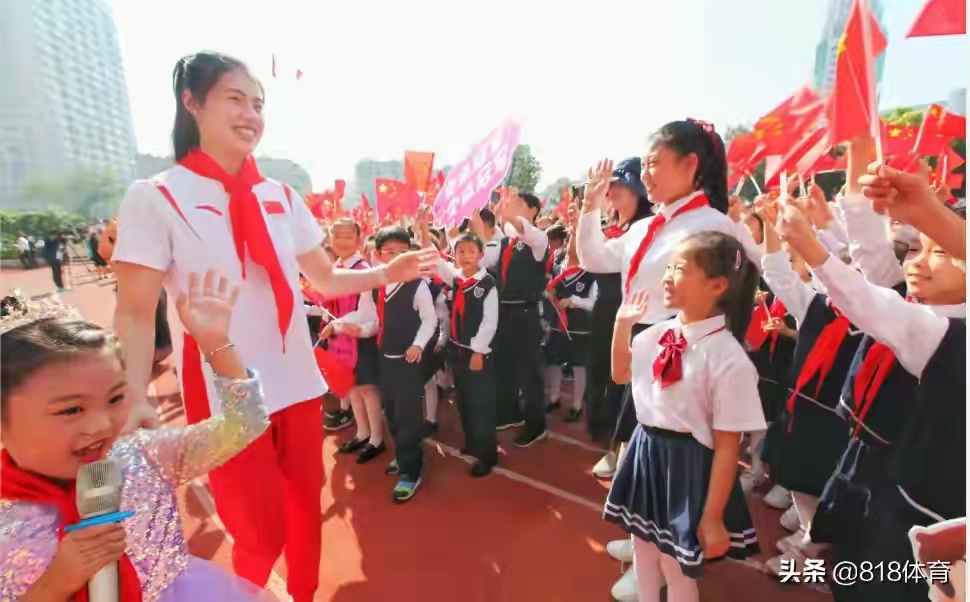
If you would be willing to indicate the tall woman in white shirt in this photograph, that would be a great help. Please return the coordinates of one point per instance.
(213, 210)
(695, 392)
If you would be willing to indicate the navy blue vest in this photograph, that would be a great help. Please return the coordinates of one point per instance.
(526, 277)
(474, 309)
(929, 460)
(401, 320)
(577, 285)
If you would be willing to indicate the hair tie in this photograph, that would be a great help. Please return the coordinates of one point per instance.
(737, 261)
(708, 128)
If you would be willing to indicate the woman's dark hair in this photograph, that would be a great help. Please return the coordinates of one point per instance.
(197, 73)
(392, 234)
(685, 137)
(28, 348)
(722, 256)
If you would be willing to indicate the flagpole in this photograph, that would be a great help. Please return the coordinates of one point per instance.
(871, 78)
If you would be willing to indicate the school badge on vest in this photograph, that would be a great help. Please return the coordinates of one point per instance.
(519, 245)
(478, 292)
(579, 287)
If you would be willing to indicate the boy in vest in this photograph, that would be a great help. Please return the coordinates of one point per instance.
(404, 320)
(474, 319)
(518, 265)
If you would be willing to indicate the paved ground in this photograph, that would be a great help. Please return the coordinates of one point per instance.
(530, 532)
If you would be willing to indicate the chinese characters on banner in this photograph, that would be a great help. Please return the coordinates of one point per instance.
(470, 183)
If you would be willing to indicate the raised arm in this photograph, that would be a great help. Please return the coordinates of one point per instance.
(597, 254)
(782, 279)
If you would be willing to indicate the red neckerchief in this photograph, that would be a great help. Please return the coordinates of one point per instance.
(756, 335)
(551, 287)
(821, 358)
(550, 263)
(381, 301)
(249, 230)
(614, 231)
(875, 368)
(22, 486)
(653, 229)
(668, 368)
(458, 303)
(507, 253)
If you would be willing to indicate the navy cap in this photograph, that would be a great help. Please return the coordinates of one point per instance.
(627, 174)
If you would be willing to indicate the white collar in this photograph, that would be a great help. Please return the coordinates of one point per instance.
(350, 261)
(671, 208)
(477, 276)
(696, 331)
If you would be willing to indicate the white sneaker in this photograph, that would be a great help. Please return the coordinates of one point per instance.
(606, 467)
(626, 589)
(621, 549)
(789, 520)
(795, 540)
(778, 497)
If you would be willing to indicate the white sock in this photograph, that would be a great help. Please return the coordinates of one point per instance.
(553, 383)
(579, 386)
(375, 416)
(646, 566)
(356, 399)
(757, 465)
(431, 401)
(805, 506)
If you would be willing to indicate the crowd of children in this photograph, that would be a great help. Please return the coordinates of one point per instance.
(792, 322)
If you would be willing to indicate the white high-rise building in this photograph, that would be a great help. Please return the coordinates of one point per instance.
(63, 97)
(828, 46)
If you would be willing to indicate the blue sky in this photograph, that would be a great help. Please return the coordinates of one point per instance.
(586, 79)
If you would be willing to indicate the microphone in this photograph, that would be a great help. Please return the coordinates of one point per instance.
(99, 487)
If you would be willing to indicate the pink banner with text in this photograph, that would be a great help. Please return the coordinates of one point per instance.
(471, 182)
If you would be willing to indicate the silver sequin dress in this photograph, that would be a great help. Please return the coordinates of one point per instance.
(154, 463)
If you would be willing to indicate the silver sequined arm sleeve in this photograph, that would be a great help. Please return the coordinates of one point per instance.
(184, 453)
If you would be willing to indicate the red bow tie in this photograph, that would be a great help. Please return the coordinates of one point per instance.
(668, 367)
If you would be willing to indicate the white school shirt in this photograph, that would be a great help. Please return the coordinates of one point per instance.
(911, 330)
(480, 343)
(718, 390)
(600, 255)
(194, 235)
(367, 320)
(868, 241)
(533, 237)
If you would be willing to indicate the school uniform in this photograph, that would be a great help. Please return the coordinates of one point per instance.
(908, 458)
(641, 256)
(570, 329)
(474, 320)
(811, 434)
(177, 223)
(705, 382)
(360, 353)
(400, 316)
(602, 397)
(518, 265)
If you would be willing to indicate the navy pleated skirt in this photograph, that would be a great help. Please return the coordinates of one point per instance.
(367, 370)
(658, 495)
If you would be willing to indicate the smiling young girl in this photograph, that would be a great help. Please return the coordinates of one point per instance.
(695, 392)
(64, 404)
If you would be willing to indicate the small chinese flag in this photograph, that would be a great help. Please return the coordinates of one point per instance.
(849, 108)
(395, 199)
(940, 18)
(898, 139)
(787, 123)
(938, 128)
(434, 185)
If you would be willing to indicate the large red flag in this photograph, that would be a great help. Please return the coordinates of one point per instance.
(743, 154)
(417, 169)
(940, 18)
(434, 185)
(850, 105)
(787, 123)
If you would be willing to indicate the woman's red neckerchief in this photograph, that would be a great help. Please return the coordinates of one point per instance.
(249, 229)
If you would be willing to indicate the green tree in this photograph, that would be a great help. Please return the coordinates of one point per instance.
(38, 223)
(525, 171)
(91, 193)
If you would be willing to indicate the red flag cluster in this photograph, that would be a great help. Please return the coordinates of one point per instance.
(797, 144)
(328, 205)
